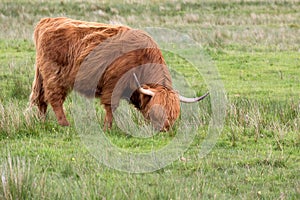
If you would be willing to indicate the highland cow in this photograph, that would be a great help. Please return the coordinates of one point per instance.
(109, 62)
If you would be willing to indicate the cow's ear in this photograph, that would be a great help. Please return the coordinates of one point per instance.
(144, 99)
(139, 100)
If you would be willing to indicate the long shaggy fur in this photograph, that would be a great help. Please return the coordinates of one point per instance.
(98, 60)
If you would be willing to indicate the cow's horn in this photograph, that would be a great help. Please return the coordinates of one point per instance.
(142, 90)
(192, 100)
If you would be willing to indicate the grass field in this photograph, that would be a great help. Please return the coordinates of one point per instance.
(255, 46)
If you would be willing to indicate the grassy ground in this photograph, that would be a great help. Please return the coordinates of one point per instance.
(255, 46)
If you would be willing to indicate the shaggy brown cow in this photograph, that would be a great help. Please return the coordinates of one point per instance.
(104, 61)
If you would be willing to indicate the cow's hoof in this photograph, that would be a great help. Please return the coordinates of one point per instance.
(64, 123)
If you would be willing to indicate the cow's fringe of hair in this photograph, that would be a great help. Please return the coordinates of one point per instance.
(169, 106)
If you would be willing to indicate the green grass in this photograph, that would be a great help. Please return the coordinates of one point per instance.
(254, 45)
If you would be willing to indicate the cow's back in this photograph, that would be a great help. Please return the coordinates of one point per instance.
(63, 40)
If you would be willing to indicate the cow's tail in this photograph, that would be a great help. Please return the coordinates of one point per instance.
(37, 91)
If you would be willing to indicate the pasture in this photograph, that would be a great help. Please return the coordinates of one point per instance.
(255, 46)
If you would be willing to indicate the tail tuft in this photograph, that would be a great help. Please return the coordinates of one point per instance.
(37, 91)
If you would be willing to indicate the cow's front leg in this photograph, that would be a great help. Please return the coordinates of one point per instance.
(108, 117)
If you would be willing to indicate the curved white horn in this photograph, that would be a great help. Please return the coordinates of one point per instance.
(146, 92)
(192, 100)
(142, 90)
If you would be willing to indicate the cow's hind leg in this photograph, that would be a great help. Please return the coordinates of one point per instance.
(56, 98)
(108, 117)
(58, 109)
(42, 106)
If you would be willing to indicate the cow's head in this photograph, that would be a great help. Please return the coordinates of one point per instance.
(159, 105)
